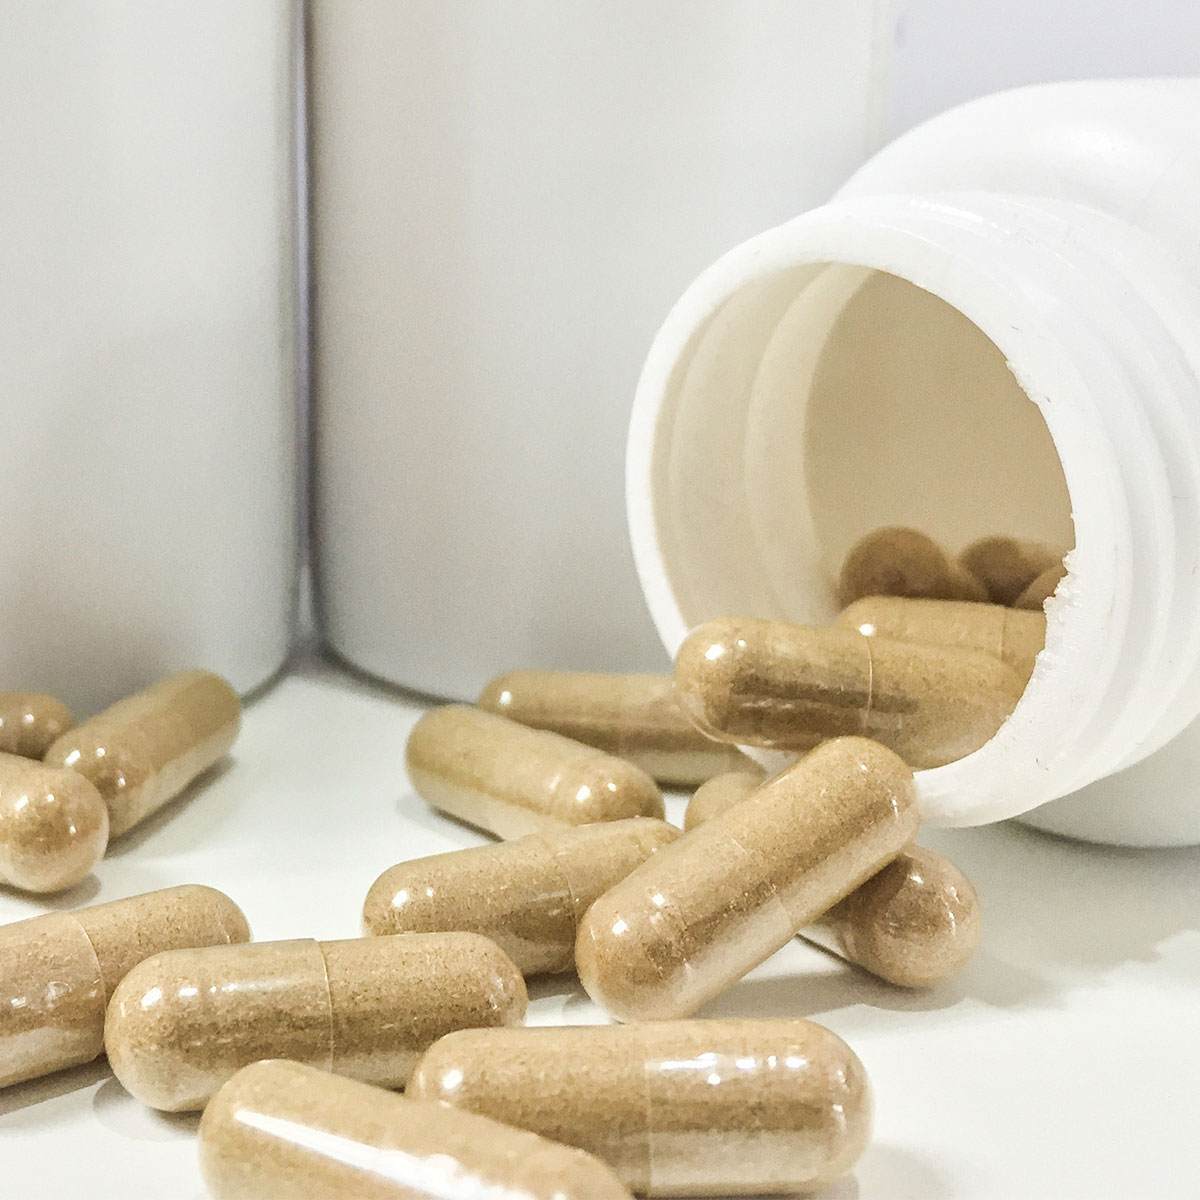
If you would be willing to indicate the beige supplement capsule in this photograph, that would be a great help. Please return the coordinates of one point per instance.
(1012, 636)
(510, 780)
(1042, 588)
(53, 825)
(182, 1023)
(635, 717)
(895, 561)
(58, 971)
(768, 683)
(708, 908)
(1006, 566)
(527, 895)
(914, 923)
(30, 723)
(728, 1108)
(285, 1131)
(143, 751)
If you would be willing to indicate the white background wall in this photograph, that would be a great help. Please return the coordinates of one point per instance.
(952, 50)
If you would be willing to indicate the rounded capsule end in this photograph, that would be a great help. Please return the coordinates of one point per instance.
(54, 828)
(605, 788)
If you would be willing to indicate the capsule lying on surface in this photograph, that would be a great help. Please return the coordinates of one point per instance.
(710, 907)
(769, 683)
(30, 723)
(1014, 637)
(58, 971)
(1006, 566)
(182, 1023)
(676, 1108)
(284, 1131)
(635, 717)
(53, 826)
(914, 923)
(143, 751)
(511, 780)
(527, 896)
(895, 561)
(1034, 597)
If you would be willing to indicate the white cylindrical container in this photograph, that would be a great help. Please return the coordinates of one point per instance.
(993, 328)
(506, 196)
(147, 342)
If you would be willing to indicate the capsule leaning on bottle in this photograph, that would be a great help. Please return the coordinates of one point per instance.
(895, 561)
(58, 971)
(773, 684)
(1014, 637)
(143, 751)
(913, 924)
(53, 826)
(1006, 566)
(182, 1023)
(730, 1108)
(510, 780)
(286, 1131)
(708, 908)
(30, 723)
(635, 717)
(527, 895)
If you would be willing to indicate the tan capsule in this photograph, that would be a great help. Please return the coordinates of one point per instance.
(53, 825)
(710, 907)
(58, 971)
(635, 717)
(29, 723)
(895, 561)
(285, 1131)
(510, 780)
(527, 895)
(182, 1023)
(768, 683)
(914, 923)
(1042, 588)
(143, 751)
(675, 1108)
(1012, 636)
(719, 795)
(1006, 566)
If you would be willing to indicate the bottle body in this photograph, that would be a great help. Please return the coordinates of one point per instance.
(147, 343)
(505, 198)
(991, 328)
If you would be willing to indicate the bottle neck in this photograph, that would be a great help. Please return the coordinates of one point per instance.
(1094, 322)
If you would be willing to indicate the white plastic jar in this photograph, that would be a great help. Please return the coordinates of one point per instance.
(147, 342)
(506, 196)
(994, 327)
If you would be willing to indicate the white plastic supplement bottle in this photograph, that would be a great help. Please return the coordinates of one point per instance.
(506, 196)
(994, 327)
(147, 342)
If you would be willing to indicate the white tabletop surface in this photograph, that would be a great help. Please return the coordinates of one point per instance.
(1063, 1062)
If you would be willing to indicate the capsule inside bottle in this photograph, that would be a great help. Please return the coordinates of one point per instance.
(635, 717)
(182, 1023)
(1006, 566)
(509, 780)
(285, 1131)
(1014, 637)
(730, 1108)
(710, 907)
(896, 561)
(527, 895)
(773, 684)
